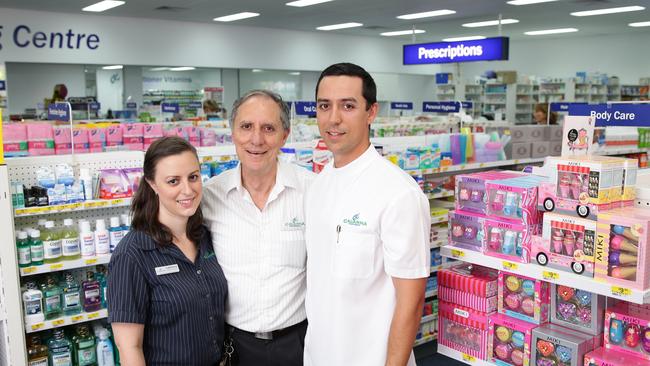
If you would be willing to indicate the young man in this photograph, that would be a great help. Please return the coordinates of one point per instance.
(367, 233)
(255, 215)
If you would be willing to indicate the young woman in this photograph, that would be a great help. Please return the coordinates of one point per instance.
(166, 290)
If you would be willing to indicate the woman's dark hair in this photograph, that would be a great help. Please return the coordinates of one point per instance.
(145, 205)
(368, 86)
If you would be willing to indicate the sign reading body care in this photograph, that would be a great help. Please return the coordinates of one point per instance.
(489, 49)
(633, 115)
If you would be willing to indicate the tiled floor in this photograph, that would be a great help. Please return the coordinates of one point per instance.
(425, 355)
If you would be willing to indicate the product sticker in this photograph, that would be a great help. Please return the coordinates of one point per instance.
(71, 300)
(87, 356)
(53, 303)
(64, 359)
(92, 295)
(38, 362)
(52, 249)
(70, 246)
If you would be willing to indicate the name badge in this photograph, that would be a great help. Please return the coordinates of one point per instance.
(172, 268)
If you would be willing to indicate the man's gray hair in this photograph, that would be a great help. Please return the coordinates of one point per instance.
(284, 109)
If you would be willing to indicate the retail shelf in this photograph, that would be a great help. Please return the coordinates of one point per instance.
(86, 205)
(627, 150)
(438, 243)
(428, 318)
(439, 218)
(426, 339)
(65, 265)
(443, 194)
(462, 357)
(549, 275)
(440, 266)
(473, 166)
(67, 320)
(431, 293)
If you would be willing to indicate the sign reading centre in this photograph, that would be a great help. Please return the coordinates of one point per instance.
(489, 49)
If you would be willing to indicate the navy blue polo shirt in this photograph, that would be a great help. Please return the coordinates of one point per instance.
(180, 303)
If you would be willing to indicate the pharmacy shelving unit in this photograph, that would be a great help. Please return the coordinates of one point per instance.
(613, 92)
(446, 92)
(598, 93)
(23, 170)
(525, 98)
(552, 91)
(495, 99)
(473, 93)
(635, 92)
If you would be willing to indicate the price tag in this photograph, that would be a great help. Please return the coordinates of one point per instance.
(510, 266)
(29, 270)
(548, 275)
(90, 204)
(516, 161)
(56, 267)
(621, 291)
(102, 203)
(77, 318)
(117, 202)
(91, 261)
(457, 253)
(58, 322)
(37, 326)
(468, 358)
(444, 169)
(481, 165)
(462, 167)
(93, 315)
(22, 211)
(207, 159)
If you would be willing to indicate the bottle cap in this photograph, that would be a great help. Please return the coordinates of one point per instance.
(35, 233)
(49, 224)
(104, 334)
(100, 225)
(84, 227)
(115, 221)
(68, 222)
(22, 235)
(126, 219)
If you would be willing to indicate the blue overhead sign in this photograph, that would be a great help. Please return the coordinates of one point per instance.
(305, 108)
(615, 114)
(445, 107)
(489, 49)
(194, 105)
(94, 106)
(170, 108)
(58, 112)
(467, 105)
(131, 105)
(401, 105)
(3, 85)
(562, 107)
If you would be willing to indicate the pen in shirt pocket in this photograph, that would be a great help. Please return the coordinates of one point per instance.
(338, 233)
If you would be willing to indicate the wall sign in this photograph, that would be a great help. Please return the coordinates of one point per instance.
(615, 114)
(407, 106)
(195, 105)
(94, 106)
(170, 107)
(58, 112)
(24, 36)
(489, 49)
(131, 105)
(305, 108)
(562, 107)
(3, 85)
(445, 107)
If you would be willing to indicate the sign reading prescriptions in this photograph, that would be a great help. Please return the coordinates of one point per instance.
(489, 49)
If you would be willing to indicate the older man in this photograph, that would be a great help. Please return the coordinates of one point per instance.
(255, 214)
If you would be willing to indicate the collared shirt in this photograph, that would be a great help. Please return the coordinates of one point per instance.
(180, 303)
(366, 223)
(262, 252)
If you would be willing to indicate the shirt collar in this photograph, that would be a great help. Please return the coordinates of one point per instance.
(359, 164)
(285, 176)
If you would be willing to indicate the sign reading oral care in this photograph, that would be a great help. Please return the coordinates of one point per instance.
(407, 106)
(615, 114)
(170, 107)
(58, 112)
(305, 108)
(488, 49)
(442, 107)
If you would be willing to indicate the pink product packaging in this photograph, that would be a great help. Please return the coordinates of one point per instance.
(473, 279)
(554, 345)
(96, 139)
(507, 240)
(605, 357)
(177, 132)
(577, 309)
(40, 139)
(524, 298)
(14, 141)
(62, 140)
(509, 341)
(627, 330)
(463, 329)
(114, 184)
(133, 136)
(466, 230)
(152, 132)
(454, 296)
(208, 136)
(513, 199)
(114, 136)
(470, 189)
(80, 140)
(134, 175)
(193, 135)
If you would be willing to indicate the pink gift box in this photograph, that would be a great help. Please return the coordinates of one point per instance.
(133, 136)
(459, 297)
(470, 189)
(96, 139)
(193, 135)
(473, 279)
(152, 132)
(507, 240)
(524, 298)
(627, 330)
(40, 139)
(607, 357)
(514, 199)
(80, 140)
(509, 341)
(208, 137)
(62, 140)
(14, 141)
(463, 329)
(114, 136)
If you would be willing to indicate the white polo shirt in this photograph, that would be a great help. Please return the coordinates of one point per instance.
(262, 253)
(365, 223)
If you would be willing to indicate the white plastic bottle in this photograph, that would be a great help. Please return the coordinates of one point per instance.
(86, 239)
(105, 353)
(126, 223)
(115, 233)
(87, 183)
(33, 302)
(102, 241)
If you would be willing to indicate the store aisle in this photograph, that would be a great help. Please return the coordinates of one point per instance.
(425, 355)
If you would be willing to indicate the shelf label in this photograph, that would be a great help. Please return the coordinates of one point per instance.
(77, 318)
(29, 270)
(56, 267)
(457, 253)
(118, 201)
(37, 326)
(58, 322)
(510, 266)
(91, 261)
(621, 291)
(548, 275)
(207, 159)
(468, 358)
(93, 315)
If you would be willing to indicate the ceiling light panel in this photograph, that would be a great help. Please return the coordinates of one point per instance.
(460, 39)
(302, 3)
(103, 6)
(640, 24)
(528, 2)
(427, 14)
(113, 67)
(234, 17)
(402, 33)
(182, 68)
(622, 9)
(489, 23)
(339, 26)
(551, 31)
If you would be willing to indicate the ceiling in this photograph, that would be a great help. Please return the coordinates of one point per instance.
(378, 15)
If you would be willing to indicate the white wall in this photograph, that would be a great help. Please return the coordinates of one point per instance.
(110, 88)
(28, 84)
(180, 80)
(281, 82)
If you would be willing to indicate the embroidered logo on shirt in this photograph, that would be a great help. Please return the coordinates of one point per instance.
(294, 223)
(208, 255)
(355, 221)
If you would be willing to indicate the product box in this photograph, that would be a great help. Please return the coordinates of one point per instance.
(14, 140)
(622, 253)
(507, 240)
(630, 168)
(567, 244)
(40, 139)
(518, 133)
(555, 132)
(607, 357)
(208, 136)
(472, 279)
(152, 132)
(193, 135)
(540, 149)
(524, 298)
(559, 347)
(133, 136)
(463, 329)
(62, 140)
(555, 148)
(509, 341)
(114, 184)
(80, 140)
(627, 329)
(470, 189)
(537, 133)
(577, 309)
(460, 297)
(114, 137)
(514, 199)
(96, 139)
(466, 230)
(518, 150)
